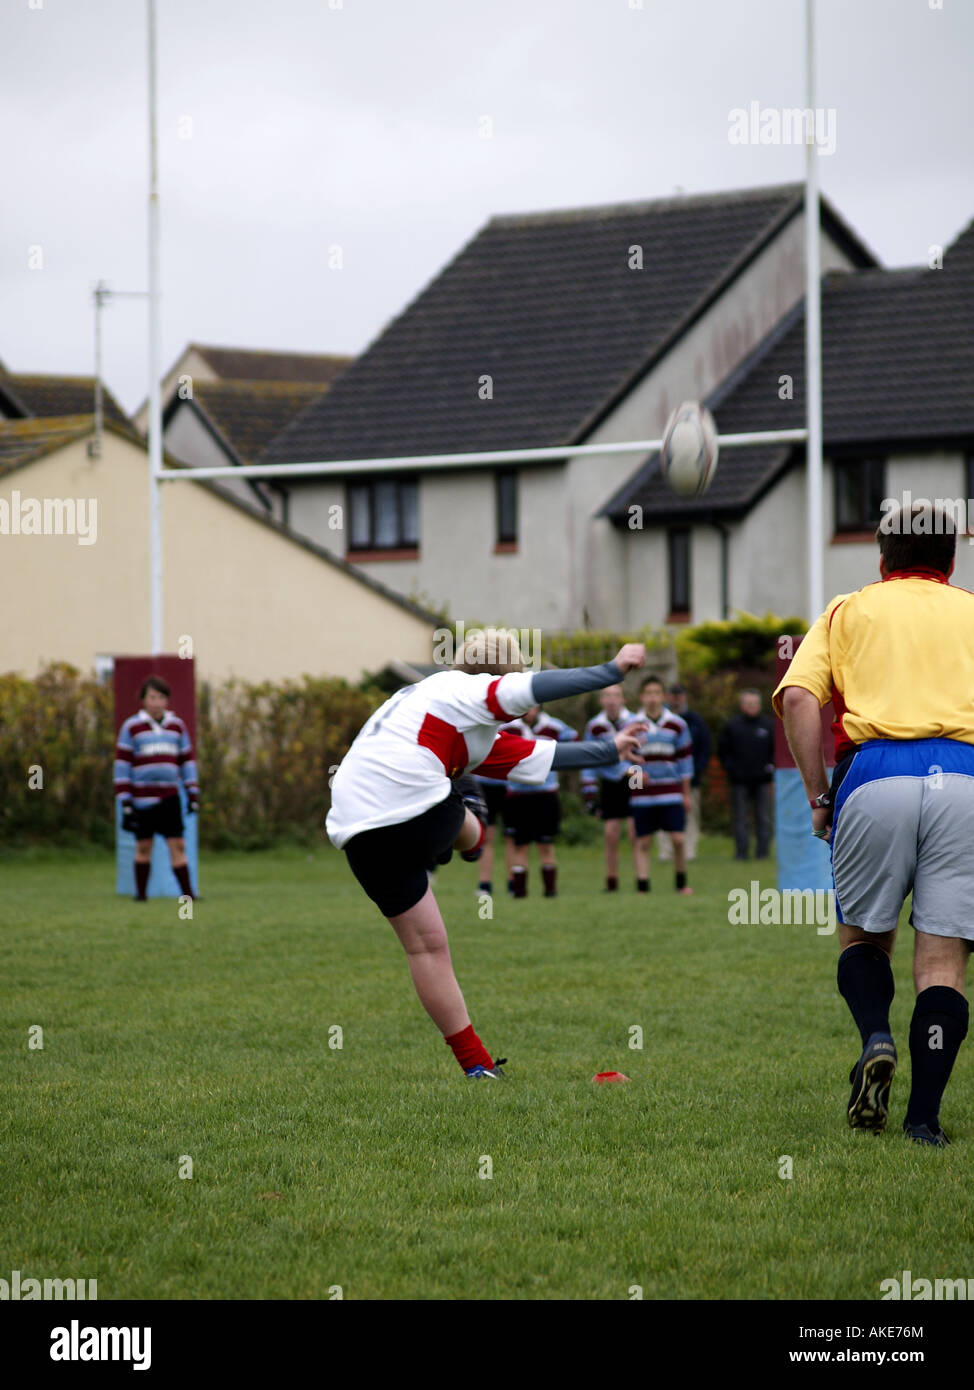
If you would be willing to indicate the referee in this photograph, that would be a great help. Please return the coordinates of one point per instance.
(897, 660)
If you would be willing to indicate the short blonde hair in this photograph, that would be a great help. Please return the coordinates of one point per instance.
(491, 650)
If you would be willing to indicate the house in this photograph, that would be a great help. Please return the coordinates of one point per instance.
(222, 406)
(244, 594)
(547, 330)
(898, 418)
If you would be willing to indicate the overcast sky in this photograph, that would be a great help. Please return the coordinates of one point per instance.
(288, 126)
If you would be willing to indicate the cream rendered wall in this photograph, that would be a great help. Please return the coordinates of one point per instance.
(730, 329)
(254, 603)
(187, 438)
(457, 568)
(769, 552)
(769, 547)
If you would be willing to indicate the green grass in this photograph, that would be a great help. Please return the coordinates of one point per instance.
(358, 1167)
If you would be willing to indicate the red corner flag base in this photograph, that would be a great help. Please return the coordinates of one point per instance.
(601, 1078)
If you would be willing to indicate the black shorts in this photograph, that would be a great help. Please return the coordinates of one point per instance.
(165, 818)
(669, 817)
(532, 817)
(393, 862)
(495, 797)
(615, 799)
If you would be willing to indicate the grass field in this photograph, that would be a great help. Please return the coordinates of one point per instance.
(359, 1167)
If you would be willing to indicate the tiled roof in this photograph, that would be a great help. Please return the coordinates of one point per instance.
(22, 441)
(547, 306)
(897, 373)
(248, 414)
(47, 396)
(246, 364)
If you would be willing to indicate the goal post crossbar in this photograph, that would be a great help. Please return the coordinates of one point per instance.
(415, 462)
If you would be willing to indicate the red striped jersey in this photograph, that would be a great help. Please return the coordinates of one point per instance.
(151, 759)
(601, 726)
(402, 760)
(667, 752)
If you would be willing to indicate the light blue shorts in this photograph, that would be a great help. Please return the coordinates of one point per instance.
(904, 821)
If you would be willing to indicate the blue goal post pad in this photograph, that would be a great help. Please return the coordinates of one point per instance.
(128, 674)
(803, 861)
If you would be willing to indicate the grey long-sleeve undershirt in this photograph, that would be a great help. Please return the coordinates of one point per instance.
(597, 752)
(555, 685)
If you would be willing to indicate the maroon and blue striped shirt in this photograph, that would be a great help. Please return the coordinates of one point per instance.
(152, 758)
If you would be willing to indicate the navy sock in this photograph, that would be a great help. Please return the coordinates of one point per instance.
(937, 1029)
(865, 980)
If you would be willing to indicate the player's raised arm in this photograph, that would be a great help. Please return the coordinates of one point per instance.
(557, 684)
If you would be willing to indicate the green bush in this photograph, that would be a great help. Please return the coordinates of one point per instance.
(744, 642)
(265, 755)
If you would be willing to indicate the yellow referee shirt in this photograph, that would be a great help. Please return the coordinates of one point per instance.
(896, 658)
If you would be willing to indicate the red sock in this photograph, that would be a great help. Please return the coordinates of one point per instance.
(549, 873)
(519, 877)
(182, 873)
(468, 1049)
(142, 878)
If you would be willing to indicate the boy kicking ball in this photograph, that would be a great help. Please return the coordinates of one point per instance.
(398, 812)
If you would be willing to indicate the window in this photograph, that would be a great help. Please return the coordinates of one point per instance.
(678, 545)
(860, 486)
(383, 514)
(505, 497)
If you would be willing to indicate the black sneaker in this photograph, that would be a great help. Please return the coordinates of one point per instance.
(871, 1078)
(923, 1134)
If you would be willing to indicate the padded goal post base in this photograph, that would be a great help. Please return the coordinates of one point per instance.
(803, 861)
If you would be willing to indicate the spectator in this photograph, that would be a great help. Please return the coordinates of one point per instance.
(702, 748)
(746, 752)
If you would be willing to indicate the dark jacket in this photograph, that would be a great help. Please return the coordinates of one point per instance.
(701, 744)
(746, 748)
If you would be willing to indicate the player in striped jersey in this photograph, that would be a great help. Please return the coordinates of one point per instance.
(659, 794)
(397, 812)
(152, 756)
(606, 789)
(532, 815)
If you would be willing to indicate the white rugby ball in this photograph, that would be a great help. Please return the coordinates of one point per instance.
(689, 451)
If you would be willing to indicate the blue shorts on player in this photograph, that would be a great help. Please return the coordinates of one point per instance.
(647, 820)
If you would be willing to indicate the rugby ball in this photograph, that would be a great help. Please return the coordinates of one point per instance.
(689, 450)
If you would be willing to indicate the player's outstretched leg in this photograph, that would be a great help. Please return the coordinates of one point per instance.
(423, 935)
(865, 980)
(937, 1029)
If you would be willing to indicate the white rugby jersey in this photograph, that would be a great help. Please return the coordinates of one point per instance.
(401, 763)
